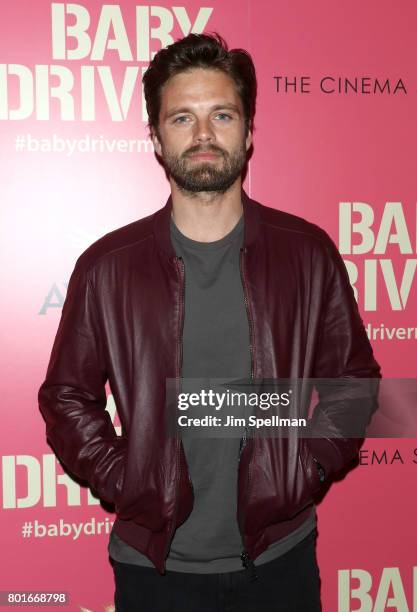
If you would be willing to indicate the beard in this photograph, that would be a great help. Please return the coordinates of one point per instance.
(216, 176)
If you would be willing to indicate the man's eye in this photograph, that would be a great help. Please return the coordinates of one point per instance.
(181, 119)
(223, 116)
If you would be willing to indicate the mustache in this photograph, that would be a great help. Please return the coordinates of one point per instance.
(207, 149)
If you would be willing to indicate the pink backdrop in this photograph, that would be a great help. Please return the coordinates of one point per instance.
(339, 159)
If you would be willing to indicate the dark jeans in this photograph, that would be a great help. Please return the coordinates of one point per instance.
(290, 583)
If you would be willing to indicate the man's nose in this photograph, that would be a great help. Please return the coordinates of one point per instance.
(203, 131)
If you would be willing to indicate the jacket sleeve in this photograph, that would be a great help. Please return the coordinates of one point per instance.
(72, 399)
(347, 375)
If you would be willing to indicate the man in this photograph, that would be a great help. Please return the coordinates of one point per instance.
(216, 285)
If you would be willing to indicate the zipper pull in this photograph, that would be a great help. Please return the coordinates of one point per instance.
(243, 441)
(249, 564)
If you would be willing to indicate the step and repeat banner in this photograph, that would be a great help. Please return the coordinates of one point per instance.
(335, 139)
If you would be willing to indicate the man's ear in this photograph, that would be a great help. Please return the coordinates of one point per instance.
(156, 142)
(248, 140)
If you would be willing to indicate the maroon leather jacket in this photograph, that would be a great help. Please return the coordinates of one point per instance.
(122, 322)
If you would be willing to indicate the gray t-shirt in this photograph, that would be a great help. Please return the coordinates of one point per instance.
(215, 345)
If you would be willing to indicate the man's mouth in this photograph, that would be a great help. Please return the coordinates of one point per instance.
(205, 155)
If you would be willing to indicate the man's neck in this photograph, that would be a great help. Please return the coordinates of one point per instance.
(206, 216)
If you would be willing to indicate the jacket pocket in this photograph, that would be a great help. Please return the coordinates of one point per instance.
(281, 483)
(309, 467)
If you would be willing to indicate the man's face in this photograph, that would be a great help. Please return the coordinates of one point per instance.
(201, 132)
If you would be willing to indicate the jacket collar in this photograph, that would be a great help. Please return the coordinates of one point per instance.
(162, 230)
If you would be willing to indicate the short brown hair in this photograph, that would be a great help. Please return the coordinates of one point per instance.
(200, 51)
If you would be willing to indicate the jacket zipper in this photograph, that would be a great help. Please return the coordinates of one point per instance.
(181, 272)
(247, 562)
